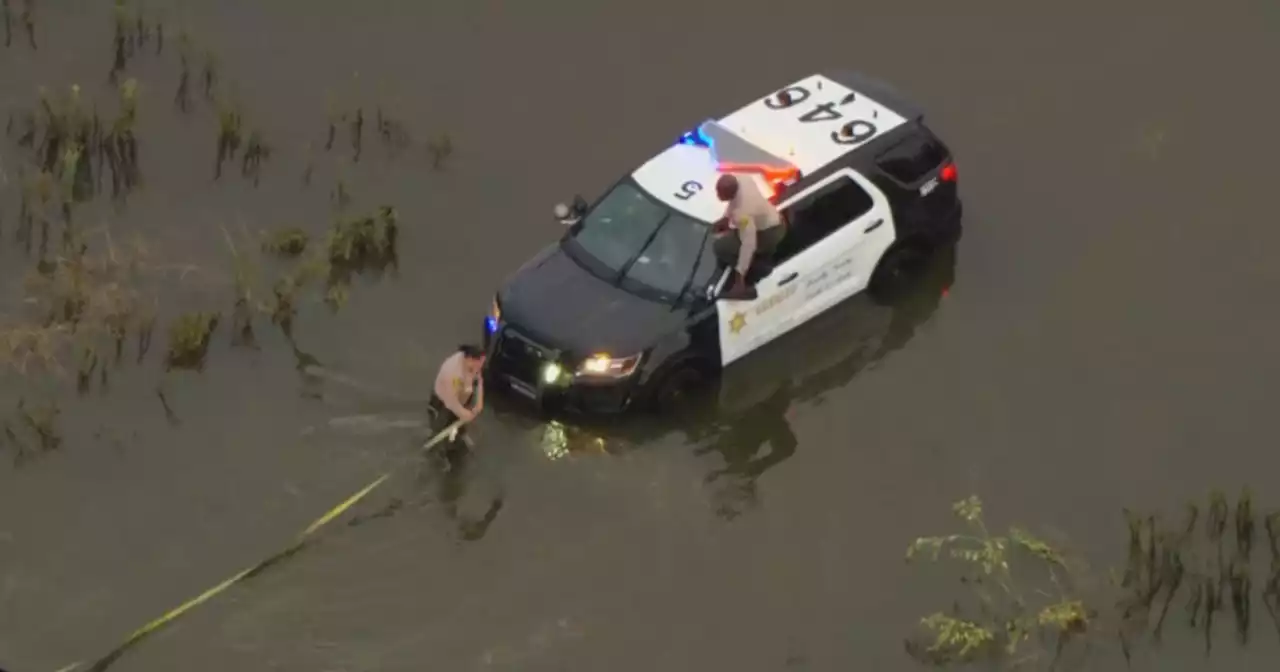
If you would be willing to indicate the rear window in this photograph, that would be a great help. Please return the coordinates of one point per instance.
(913, 158)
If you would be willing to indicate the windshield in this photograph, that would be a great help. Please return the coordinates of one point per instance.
(631, 237)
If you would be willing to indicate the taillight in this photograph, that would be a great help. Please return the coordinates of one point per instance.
(948, 173)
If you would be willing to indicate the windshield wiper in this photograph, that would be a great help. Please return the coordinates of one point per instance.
(626, 268)
(694, 273)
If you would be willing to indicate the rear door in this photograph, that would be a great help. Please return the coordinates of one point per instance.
(856, 226)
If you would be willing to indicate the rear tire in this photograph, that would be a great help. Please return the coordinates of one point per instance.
(897, 267)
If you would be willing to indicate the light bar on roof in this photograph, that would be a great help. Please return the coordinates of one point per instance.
(734, 154)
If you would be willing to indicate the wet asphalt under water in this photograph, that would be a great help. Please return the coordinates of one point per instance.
(1109, 341)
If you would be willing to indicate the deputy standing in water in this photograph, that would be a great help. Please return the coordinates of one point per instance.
(458, 393)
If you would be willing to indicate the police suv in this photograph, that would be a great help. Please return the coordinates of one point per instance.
(625, 311)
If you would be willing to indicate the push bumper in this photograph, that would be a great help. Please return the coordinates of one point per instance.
(543, 378)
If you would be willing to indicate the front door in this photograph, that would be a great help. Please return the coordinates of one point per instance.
(747, 325)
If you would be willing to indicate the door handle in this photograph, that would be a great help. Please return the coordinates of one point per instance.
(874, 225)
(787, 279)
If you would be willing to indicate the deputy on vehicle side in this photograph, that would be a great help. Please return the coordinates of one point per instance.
(749, 231)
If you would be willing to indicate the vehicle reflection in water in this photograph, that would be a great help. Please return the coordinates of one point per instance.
(744, 417)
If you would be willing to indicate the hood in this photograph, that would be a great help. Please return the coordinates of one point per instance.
(559, 303)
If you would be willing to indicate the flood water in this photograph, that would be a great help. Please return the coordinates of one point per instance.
(1104, 336)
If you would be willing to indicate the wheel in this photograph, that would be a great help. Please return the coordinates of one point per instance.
(897, 267)
(674, 388)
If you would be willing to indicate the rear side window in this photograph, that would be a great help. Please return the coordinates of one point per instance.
(913, 158)
(821, 214)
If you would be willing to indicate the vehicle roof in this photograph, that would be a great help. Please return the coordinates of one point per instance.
(802, 132)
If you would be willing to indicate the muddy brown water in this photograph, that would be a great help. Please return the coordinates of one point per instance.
(1109, 341)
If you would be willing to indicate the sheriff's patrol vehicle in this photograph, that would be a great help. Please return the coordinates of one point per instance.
(624, 309)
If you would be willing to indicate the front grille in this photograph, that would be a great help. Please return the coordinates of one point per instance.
(519, 357)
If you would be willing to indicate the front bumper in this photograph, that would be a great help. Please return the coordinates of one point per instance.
(519, 364)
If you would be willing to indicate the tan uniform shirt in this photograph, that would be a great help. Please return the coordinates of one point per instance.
(750, 211)
(453, 384)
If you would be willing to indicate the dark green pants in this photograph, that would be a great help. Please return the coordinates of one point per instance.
(440, 419)
(728, 245)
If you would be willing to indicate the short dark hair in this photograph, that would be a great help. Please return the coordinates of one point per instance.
(726, 187)
(472, 351)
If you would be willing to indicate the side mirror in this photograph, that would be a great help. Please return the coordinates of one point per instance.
(564, 215)
(571, 214)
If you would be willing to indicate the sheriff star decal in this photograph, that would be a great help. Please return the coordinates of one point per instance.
(737, 322)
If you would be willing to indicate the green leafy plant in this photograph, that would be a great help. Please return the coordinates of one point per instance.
(1026, 602)
(1006, 616)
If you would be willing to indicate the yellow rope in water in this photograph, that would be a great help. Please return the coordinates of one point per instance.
(139, 634)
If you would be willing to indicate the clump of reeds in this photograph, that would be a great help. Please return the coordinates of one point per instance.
(131, 33)
(28, 18)
(339, 196)
(182, 96)
(82, 309)
(69, 143)
(394, 134)
(120, 145)
(209, 75)
(229, 135)
(39, 424)
(287, 242)
(357, 134)
(189, 338)
(8, 23)
(363, 243)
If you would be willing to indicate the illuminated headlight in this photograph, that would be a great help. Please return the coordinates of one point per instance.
(604, 366)
(551, 373)
(494, 317)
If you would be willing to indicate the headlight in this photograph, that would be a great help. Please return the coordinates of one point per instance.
(604, 366)
(551, 373)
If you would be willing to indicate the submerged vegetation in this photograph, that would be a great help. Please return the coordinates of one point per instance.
(87, 306)
(1029, 606)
